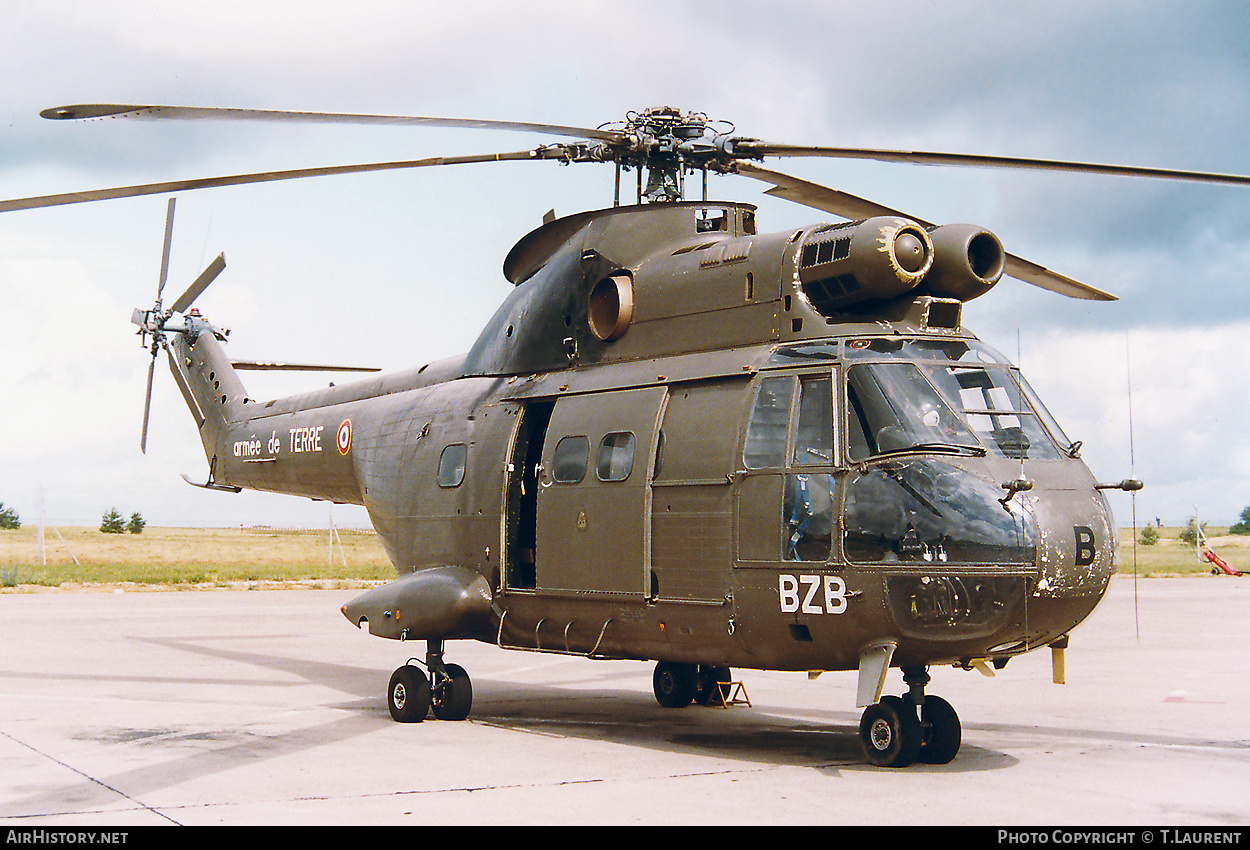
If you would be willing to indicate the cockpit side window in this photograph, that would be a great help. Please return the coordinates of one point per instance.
(770, 420)
(813, 434)
(791, 429)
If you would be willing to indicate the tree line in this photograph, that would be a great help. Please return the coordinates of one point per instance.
(114, 523)
(111, 523)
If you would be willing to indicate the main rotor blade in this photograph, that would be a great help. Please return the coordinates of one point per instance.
(753, 148)
(169, 237)
(852, 207)
(200, 284)
(267, 366)
(556, 152)
(153, 112)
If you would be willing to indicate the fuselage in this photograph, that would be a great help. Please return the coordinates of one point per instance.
(739, 466)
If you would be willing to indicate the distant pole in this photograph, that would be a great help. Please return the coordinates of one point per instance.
(334, 533)
(43, 559)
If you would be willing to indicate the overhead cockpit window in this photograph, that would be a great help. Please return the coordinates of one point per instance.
(711, 221)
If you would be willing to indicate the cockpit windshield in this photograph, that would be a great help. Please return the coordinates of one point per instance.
(992, 405)
(953, 396)
(893, 408)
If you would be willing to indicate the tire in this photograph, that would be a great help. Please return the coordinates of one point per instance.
(708, 685)
(890, 733)
(408, 696)
(940, 730)
(675, 684)
(452, 697)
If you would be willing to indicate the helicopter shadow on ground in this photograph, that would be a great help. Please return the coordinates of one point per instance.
(827, 742)
(586, 709)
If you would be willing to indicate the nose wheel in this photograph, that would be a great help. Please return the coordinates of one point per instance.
(900, 731)
(446, 692)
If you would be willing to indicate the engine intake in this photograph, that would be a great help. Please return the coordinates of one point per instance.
(873, 260)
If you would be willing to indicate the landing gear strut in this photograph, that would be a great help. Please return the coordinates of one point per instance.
(898, 731)
(677, 685)
(447, 691)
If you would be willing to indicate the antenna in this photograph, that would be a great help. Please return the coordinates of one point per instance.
(1132, 465)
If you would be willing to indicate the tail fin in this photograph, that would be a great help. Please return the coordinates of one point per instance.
(208, 382)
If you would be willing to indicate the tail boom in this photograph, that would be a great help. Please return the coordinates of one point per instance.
(301, 451)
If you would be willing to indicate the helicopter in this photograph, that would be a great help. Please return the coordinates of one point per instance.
(686, 441)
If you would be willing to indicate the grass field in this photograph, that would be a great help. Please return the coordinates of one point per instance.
(191, 557)
(1172, 557)
(209, 558)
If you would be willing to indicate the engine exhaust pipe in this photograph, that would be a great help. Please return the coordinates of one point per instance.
(967, 261)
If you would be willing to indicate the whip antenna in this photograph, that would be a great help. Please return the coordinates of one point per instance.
(1132, 465)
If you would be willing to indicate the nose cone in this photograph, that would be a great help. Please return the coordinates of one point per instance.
(1078, 544)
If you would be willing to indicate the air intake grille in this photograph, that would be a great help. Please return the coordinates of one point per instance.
(817, 253)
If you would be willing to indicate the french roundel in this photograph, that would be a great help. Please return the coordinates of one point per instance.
(344, 437)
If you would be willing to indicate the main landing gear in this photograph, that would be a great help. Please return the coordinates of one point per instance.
(677, 685)
(447, 691)
(898, 731)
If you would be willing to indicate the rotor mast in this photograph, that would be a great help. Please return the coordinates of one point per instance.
(667, 143)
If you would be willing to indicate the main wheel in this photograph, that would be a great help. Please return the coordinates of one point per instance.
(675, 684)
(708, 687)
(453, 695)
(408, 696)
(890, 732)
(940, 730)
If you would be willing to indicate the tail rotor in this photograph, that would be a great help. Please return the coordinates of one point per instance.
(155, 321)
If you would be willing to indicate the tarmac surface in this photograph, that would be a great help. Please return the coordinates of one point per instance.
(267, 707)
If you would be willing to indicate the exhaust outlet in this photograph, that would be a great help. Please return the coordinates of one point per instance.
(967, 261)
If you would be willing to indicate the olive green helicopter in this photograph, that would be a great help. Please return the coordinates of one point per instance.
(686, 441)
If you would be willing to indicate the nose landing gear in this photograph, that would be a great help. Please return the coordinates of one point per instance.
(899, 731)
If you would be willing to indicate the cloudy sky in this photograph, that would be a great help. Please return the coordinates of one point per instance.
(393, 270)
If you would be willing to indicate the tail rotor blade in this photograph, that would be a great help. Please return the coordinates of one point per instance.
(147, 404)
(201, 283)
(169, 235)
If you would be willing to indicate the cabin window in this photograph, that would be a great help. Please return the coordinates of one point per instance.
(451, 464)
(770, 420)
(616, 456)
(569, 463)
